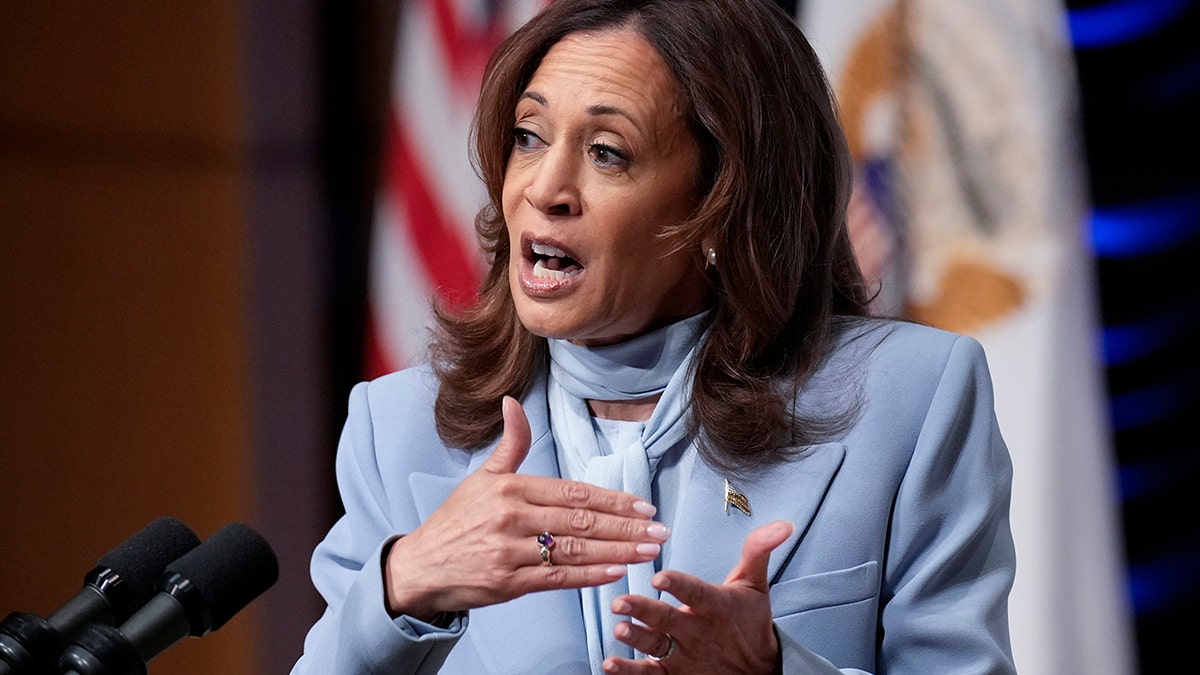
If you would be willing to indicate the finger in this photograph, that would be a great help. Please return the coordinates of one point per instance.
(534, 578)
(751, 569)
(579, 551)
(546, 491)
(592, 525)
(695, 593)
(655, 614)
(618, 666)
(645, 640)
(514, 443)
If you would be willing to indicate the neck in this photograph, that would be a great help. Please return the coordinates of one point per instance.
(637, 410)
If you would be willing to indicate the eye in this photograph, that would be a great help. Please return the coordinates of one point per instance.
(525, 139)
(607, 156)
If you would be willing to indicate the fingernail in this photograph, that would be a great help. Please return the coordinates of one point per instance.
(658, 531)
(645, 508)
(622, 630)
(648, 549)
(616, 571)
(661, 582)
(621, 607)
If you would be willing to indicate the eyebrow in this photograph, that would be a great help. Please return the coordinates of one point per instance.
(535, 96)
(597, 109)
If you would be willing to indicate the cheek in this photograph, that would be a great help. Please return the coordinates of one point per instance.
(512, 189)
(648, 268)
(508, 199)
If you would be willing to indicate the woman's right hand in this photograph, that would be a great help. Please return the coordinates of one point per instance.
(480, 547)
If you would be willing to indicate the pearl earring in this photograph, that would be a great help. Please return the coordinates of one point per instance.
(711, 261)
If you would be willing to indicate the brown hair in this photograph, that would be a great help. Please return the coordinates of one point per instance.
(775, 184)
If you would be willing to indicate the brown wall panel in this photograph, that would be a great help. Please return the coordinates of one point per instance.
(142, 74)
(124, 390)
(125, 395)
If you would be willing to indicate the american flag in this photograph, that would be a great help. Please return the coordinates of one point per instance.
(423, 244)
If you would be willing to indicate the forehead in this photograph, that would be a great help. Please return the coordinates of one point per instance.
(617, 64)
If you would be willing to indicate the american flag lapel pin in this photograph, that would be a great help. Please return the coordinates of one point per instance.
(737, 499)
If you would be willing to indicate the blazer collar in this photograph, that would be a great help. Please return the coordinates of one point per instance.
(429, 490)
(542, 459)
(706, 541)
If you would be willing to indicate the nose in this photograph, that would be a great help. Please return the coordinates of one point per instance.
(554, 185)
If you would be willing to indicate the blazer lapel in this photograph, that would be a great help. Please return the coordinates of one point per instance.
(707, 540)
(551, 622)
(429, 491)
(542, 459)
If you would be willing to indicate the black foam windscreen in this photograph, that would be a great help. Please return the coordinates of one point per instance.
(141, 559)
(230, 569)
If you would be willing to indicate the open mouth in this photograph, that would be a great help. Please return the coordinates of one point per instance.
(550, 262)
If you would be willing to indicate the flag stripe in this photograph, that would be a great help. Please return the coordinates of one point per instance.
(465, 51)
(423, 246)
(452, 271)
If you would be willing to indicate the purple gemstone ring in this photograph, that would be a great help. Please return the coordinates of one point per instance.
(545, 542)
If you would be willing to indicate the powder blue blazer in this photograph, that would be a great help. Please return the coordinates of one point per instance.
(901, 560)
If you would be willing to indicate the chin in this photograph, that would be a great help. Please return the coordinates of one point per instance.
(551, 330)
(551, 324)
(541, 321)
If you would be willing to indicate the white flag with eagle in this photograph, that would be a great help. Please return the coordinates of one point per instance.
(969, 209)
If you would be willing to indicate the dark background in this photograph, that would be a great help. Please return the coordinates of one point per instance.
(1139, 75)
(186, 192)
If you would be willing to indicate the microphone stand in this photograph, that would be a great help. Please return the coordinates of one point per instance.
(22, 635)
(100, 649)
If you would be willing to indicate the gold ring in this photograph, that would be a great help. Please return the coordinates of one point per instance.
(545, 542)
(670, 650)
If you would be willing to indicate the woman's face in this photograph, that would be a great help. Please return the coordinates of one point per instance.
(602, 162)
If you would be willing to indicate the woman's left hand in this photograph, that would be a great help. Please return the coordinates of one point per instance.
(723, 628)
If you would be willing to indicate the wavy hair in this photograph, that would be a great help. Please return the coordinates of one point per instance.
(775, 178)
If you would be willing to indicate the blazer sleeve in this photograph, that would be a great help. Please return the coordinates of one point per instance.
(950, 560)
(356, 634)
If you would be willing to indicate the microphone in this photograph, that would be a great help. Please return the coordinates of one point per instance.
(123, 580)
(198, 593)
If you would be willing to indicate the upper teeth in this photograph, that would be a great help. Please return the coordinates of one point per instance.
(546, 249)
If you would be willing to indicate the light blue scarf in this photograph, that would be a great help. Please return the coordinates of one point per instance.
(658, 362)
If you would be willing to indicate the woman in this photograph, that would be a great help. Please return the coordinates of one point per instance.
(718, 464)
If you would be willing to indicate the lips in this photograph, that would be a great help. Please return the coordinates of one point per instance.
(548, 267)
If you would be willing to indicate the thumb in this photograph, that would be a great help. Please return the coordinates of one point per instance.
(751, 569)
(514, 443)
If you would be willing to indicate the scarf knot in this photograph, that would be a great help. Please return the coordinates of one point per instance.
(658, 362)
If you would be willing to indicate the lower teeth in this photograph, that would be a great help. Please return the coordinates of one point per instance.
(542, 272)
